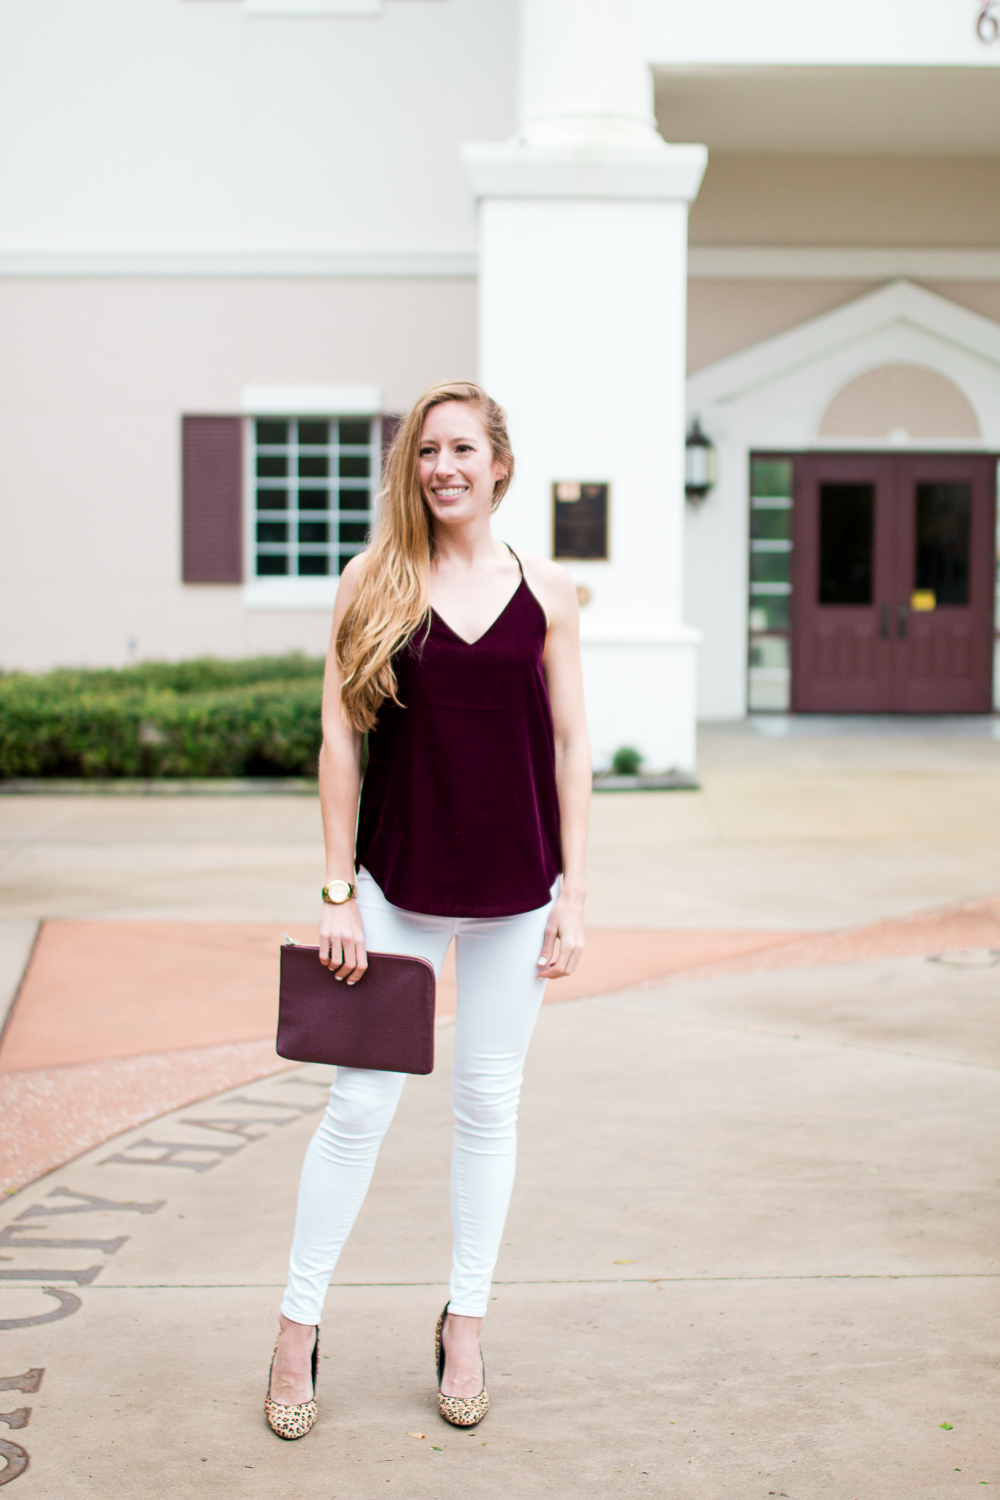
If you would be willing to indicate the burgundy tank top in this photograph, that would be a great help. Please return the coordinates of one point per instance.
(459, 810)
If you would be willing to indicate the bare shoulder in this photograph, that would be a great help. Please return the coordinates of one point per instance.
(350, 581)
(553, 587)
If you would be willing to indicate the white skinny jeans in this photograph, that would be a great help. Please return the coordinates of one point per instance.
(499, 994)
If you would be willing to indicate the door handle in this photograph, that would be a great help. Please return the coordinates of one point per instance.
(901, 615)
(883, 622)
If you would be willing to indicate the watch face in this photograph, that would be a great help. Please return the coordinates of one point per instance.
(338, 891)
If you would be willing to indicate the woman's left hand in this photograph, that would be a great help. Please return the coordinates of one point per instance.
(564, 938)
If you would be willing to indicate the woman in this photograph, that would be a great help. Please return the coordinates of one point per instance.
(461, 662)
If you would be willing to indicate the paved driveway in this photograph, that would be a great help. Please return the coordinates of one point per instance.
(753, 1245)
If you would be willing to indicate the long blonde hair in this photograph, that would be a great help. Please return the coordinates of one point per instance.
(393, 600)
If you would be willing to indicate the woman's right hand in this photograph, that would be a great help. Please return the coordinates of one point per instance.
(342, 941)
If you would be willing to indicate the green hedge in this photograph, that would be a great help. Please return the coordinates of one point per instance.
(198, 718)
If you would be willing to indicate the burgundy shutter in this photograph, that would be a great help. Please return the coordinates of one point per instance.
(212, 468)
(390, 427)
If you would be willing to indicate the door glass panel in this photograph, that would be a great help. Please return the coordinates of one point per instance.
(769, 658)
(769, 523)
(771, 478)
(943, 515)
(770, 567)
(768, 613)
(846, 543)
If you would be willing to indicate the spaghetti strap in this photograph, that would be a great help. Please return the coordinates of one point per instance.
(515, 557)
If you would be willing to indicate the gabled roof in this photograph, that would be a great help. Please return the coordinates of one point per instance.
(900, 306)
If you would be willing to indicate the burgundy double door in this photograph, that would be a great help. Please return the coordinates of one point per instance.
(893, 577)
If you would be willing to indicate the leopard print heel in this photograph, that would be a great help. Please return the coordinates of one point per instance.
(291, 1421)
(460, 1411)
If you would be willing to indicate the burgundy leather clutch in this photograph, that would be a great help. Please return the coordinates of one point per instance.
(385, 1021)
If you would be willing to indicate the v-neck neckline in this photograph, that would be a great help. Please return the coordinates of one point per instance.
(491, 626)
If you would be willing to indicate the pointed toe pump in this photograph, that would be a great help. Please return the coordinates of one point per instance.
(460, 1411)
(291, 1421)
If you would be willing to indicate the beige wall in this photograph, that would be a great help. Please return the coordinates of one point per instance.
(848, 200)
(95, 377)
(978, 296)
(727, 316)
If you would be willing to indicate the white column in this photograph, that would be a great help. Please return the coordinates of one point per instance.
(583, 285)
(583, 82)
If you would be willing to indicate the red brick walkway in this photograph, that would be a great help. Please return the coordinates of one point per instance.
(118, 1022)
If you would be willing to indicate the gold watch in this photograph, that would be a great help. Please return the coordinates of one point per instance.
(338, 891)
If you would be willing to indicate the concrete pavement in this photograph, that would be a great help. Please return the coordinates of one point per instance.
(812, 830)
(742, 1260)
(753, 1244)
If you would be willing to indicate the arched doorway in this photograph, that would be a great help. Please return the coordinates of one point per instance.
(889, 557)
(894, 555)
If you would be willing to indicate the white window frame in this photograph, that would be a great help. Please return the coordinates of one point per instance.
(288, 403)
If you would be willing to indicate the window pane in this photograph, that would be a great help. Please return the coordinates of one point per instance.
(314, 531)
(770, 651)
(272, 465)
(770, 525)
(313, 466)
(272, 499)
(313, 434)
(272, 531)
(354, 531)
(771, 476)
(846, 543)
(297, 519)
(770, 567)
(768, 612)
(356, 500)
(944, 513)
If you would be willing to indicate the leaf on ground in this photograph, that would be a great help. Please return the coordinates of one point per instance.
(947, 1426)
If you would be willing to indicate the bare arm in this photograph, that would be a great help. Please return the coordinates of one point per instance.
(341, 930)
(564, 935)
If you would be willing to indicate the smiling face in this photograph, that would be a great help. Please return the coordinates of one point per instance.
(458, 471)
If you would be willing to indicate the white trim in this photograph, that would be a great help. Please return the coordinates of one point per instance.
(819, 263)
(513, 171)
(312, 400)
(290, 593)
(241, 262)
(705, 263)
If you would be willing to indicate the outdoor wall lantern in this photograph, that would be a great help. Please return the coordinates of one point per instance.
(699, 464)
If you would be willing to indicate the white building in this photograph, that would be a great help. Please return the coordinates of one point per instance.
(237, 235)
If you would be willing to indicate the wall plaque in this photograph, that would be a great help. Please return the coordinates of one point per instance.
(579, 519)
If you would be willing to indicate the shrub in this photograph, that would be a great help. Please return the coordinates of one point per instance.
(198, 718)
(626, 761)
